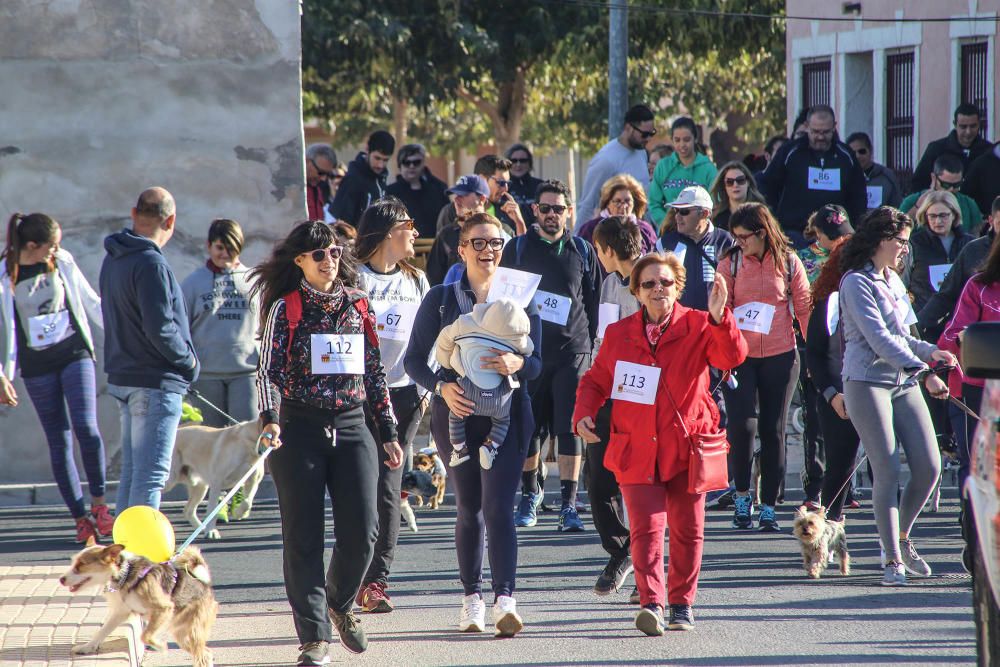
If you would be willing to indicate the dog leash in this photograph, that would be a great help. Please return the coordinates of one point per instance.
(196, 394)
(225, 499)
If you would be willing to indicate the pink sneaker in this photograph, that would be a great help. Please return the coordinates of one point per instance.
(102, 519)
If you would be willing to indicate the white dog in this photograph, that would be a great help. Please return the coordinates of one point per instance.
(209, 460)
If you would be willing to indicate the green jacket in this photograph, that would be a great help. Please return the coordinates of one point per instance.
(670, 177)
(971, 215)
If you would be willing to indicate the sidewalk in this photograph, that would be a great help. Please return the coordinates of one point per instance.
(39, 623)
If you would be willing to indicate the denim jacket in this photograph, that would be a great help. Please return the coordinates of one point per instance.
(874, 309)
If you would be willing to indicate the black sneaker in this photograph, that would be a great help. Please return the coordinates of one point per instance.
(613, 576)
(681, 617)
(314, 653)
(352, 637)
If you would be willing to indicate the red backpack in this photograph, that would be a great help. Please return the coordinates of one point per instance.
(293, 313)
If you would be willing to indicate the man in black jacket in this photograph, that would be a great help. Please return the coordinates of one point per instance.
(982, 180)
(522, 184)
(812, 171)
(964, 141)
(495, 172)
(366, 178)
(422, 193)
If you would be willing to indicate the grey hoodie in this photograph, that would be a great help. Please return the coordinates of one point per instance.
(223, 321)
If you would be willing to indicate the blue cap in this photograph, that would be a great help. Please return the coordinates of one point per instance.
(469, 184)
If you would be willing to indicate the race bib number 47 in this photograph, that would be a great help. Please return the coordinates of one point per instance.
(754, 316)
(342, 354)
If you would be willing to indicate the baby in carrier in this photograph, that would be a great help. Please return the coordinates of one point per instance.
(501, 325)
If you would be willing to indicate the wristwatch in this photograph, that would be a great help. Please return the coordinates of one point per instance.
(437, 387)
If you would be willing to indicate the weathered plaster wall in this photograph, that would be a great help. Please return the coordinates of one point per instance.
(102, 98)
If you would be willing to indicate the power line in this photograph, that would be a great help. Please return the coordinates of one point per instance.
(654, 9)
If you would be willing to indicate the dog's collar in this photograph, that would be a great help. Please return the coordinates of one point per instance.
(116, 585)
(119, 583)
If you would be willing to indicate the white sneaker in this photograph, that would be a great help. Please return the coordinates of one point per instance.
(473, 617)
(458, 457)
(505, 618)
(486, 456)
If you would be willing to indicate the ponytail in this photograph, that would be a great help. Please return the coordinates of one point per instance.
(22, 229)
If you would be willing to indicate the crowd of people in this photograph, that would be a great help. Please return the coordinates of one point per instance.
(675, 307)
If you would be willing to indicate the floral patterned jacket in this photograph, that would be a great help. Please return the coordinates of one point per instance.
(286, 371)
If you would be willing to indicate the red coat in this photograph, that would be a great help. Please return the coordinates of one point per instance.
(647, 442)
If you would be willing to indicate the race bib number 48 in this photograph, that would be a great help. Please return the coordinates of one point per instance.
(635, 383)
(552, 307)
(342, 354)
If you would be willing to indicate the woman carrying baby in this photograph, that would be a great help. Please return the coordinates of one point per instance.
(484, 497)
(320, 355)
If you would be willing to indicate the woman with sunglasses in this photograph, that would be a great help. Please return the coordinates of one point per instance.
(733, 186)
(321, 358)
(483, 497)
(687, 166)
(622, 196)
(395, 289)
(654, 366)
(882, 366)
(767, 289)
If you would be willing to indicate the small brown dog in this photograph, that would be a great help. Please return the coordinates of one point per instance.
(428, 461)
(820, 538)
(175, 594)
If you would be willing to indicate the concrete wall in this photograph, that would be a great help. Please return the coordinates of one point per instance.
(938, 61)
(102, 98)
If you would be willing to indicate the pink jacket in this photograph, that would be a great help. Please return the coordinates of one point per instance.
(979, 303)
(763, 282)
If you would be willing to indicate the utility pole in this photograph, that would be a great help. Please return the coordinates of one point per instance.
(617, 65)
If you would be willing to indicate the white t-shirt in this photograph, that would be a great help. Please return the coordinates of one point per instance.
(394, 298)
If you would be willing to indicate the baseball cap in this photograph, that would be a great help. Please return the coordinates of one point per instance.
(830, 219)
(469, 184)
(691, 196)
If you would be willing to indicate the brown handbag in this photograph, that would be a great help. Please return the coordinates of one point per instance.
(708, 466)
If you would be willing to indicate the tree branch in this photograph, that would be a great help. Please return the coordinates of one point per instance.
(484, 107)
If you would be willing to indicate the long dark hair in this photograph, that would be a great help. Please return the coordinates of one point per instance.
(876, 226)
(756, 217)
(375, 224)
(279, 274)
(990, 268)
(22, 229)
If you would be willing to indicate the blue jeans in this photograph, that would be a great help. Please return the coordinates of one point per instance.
(149, 425)
(74, 387)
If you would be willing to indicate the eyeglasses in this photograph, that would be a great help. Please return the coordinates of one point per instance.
(950, 185)
(333, 252)
(744, 237)
(644, 133)
(686, 211)
(501, 183)
(739, 180)
(861, 151)
(520, 160)
(412, 163)
(899, 239)
(322, 174)
(558, 209)
(479, 245)
(943, 217)
(406, 224)
(662, 282)
(621, 202)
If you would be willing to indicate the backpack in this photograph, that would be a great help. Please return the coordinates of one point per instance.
(293, 313)
(789, 266)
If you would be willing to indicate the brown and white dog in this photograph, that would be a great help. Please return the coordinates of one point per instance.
(175, 595)
(428, 460)
(210, 460)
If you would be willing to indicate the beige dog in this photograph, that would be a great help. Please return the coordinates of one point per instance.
(175, 595)
(210, 460)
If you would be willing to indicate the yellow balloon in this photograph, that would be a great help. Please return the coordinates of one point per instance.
(145, 532)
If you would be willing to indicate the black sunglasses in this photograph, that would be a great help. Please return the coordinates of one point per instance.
(739, 180)
(323, 174)
(319, 255)
(479, 245)
(644, 133)
(500, 182)
(412, 163)
(558, 209)
(662, 282)
(950, 185)
(520, 160)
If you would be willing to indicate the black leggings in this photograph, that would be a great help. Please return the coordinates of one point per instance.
(759, 406)
(306, 468)
(842, 441)
(408, 411)
(605, 495)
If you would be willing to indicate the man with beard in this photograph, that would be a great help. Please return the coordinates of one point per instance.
(963, 141)
(365, 182)
(495, 172)
(814, 170)
(625, 154)
(567, 300)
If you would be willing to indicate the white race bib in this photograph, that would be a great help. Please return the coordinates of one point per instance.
(754, 316)
(394, 321)
(552, 307)
(341, 354)
(938, 273)
(680, 250)
(607, 313)
(832, 312)
(48, 329)
(635, 383)
(874, 196)
(519, 286)
(824, 179)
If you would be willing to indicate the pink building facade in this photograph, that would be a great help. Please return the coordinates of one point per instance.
(897, 80)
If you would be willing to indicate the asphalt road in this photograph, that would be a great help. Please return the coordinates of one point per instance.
(755, 605)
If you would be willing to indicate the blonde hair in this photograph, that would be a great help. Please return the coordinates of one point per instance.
(940, 197)
(668, 259)
(624, 182)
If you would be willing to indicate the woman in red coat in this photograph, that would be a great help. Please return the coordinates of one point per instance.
(647, 364)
